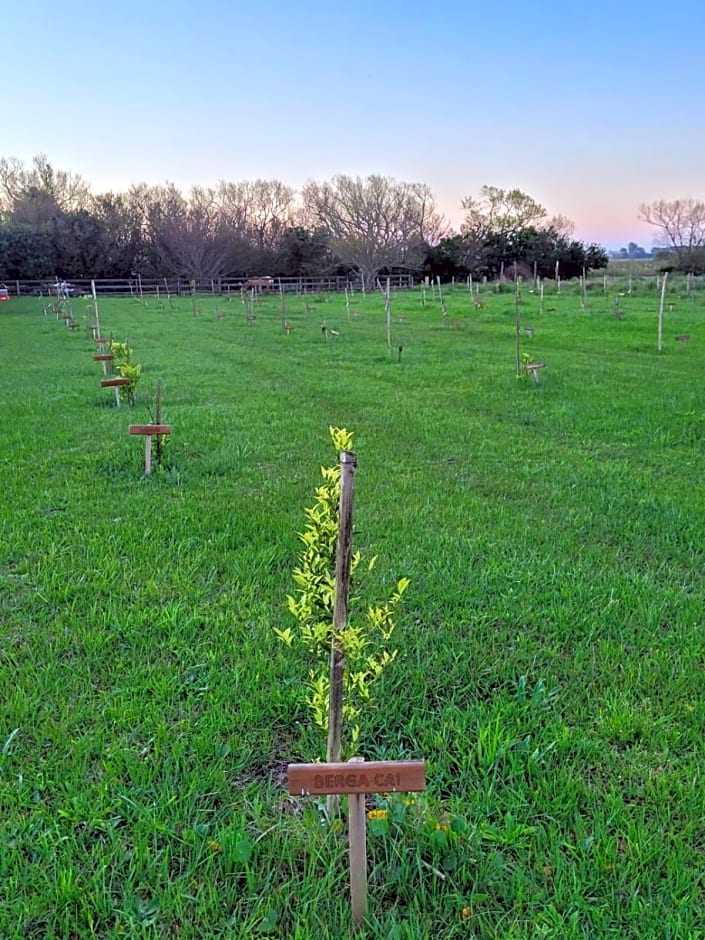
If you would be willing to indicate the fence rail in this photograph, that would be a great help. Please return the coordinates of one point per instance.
(165, 286)
(141, 286)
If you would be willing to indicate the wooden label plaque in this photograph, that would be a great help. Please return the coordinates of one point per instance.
(401, 776)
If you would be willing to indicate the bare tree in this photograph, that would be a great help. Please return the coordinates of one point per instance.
(373, 223)
(123, 234)
(271, 211)
(40, 196)
(12, 177)
(501, 212)
(680, 228)
(193, 241)
(70, 190)
(561, 225)
(183, 236)
(259, 211)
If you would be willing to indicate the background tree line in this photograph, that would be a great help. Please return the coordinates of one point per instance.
(51, 224)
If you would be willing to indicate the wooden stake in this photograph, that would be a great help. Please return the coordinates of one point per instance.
(388, 311)
(517, 332)
(343, 557)
(357, 840)
(659, 339)
(95, 308)
(444, 311)
(282, 297)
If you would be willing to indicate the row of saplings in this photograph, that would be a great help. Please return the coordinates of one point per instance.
(116, 355)
(121, 374)
(350, 656)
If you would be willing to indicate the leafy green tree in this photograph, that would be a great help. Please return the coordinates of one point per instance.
(447, 259)
(25, 252)
(304, 253)
(499, 213)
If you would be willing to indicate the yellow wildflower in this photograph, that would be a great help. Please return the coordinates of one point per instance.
(377, 814)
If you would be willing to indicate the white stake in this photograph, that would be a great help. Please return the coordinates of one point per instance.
(659, 343)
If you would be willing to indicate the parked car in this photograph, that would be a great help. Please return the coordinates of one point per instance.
(4, 292)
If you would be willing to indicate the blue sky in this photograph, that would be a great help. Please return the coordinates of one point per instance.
(591, 109)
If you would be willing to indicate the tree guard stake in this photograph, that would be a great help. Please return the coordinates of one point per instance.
(343, 560)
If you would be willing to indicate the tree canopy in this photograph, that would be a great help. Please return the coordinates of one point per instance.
(51, 224)
(375, 223)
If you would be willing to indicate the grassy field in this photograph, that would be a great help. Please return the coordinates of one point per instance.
(551, 644)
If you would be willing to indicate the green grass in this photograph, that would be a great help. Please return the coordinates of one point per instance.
(551, 643)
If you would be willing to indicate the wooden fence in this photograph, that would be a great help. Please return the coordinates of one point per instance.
(140, 286)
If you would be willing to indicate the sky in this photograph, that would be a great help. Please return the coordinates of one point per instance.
(591, 109)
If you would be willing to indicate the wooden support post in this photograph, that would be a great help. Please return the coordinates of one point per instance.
(659, 336)
(95, 309)
(343, 558)
(357, 841)
(517, 332)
